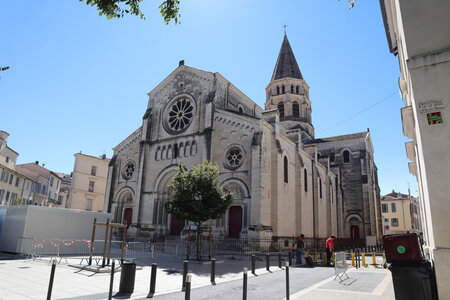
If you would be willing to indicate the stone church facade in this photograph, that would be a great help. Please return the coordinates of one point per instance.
(284, 180)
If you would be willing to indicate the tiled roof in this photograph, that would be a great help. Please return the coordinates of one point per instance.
(286, 65)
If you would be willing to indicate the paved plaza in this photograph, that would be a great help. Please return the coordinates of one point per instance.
(28, 279)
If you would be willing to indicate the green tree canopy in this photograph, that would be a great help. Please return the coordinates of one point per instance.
(196, 194)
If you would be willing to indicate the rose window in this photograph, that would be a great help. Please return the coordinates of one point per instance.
(180, 115)
(129, 170)
(234, 157)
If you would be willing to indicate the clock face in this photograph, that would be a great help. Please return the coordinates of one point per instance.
(179, 115)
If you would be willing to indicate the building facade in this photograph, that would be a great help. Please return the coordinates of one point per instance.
(15, 188)
(47, 184)
(418, 32)
(400, 213)
(88, 182)
(268, 158)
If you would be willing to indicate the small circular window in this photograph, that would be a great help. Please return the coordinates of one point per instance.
(234, 157)
(179, 115)
(129, 169)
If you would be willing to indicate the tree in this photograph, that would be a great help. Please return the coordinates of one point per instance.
(168, 8)
(118, 8)
(3, 69)
(197, 196)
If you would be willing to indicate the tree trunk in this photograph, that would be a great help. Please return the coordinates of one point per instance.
(198, 239)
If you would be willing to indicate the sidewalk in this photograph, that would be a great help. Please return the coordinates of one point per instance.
(21, 279)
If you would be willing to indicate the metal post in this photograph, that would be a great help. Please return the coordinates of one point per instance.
(92, 242)
(213, 270)
(267, 261)
(110, 242)
(153, 281)
(185, 271)
(279, 260)
(253, 264)
(287, 281)
(244, 289)
(52, 276)
(188, 252)
(290, 257)
(210, 242)
(111, 280)
(187, 294)
(106, 243)
(124, 237)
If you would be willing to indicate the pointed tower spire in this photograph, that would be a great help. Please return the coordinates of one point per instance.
(286, 63)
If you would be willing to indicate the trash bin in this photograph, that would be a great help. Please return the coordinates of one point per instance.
(412, 274)
(127, 277)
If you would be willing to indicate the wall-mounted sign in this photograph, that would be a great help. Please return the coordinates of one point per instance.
(431, 105)
(434, 118)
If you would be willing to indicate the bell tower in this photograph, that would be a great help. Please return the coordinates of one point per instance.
(289, 93)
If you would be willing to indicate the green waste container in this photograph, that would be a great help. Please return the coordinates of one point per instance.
(127, 277)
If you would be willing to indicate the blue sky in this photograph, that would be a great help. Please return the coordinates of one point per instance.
(79, 82)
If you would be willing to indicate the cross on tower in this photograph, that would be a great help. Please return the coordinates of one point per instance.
(285, 28)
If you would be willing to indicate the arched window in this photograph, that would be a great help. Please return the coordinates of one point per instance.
(346, 156)
(305, 179)
(278, 90)
(296, 89)
(241, 110)
(283, 90)
(281, 109)
(295, 109)
(285, 169)
(332, 157)
(320, 187)
(292, 89)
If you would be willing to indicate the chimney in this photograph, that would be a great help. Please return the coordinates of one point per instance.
(36, 162)
(181, 63)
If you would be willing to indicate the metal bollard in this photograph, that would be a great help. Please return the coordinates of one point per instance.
(153, 281)
(253, 264)
(187, 294)
(315, 258)
(268, 262)
(244, 289)
(374, 259)
(287, 281)
(353, 259)
(279, 260)
(290, 257)
(111, 280)
(185, 271)
(364, 259)
(213, 270)
(52, 277)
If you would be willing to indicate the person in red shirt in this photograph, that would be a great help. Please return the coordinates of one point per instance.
(329, 245)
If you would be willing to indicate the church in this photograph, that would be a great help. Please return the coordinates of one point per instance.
(285, 181)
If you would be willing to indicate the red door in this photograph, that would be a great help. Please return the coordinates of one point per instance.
(235, 221)
(128, 216)
(354, 231)
(176, 226)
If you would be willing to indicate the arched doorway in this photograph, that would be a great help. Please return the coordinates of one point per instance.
(354, 232)
(128, 216)
(235, 221)
(176, 226)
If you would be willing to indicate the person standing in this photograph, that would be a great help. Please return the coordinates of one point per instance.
(329, 245)
(299, 245)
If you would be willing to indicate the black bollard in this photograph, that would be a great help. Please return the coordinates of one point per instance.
(279, 260)
(254, 264)
(244, 289)
(213, 270)
(185, 271)
(187, 294)
(111, 279)
(153, 281)
(287, 281)
(52, 276)
(268, 262)
(290, 257)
